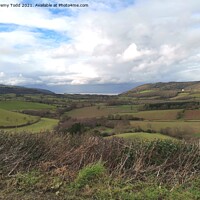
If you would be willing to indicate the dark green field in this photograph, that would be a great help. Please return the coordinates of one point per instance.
(23, 105)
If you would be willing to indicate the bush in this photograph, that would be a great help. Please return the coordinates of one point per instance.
(169, 161)
(27, 181)
(89, 174)
(76, 128)
(177, 132)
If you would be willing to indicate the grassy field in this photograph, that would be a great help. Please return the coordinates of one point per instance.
(43, 125)
(146, 91)
(157, 114)
(23, 105)
(8, 119)
(181, 95)
(99, 111)
(197, 95)
(143, 135)
(193, 126)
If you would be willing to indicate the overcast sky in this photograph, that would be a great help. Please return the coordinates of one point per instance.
(109, 42)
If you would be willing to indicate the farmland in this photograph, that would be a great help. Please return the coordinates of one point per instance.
(192, 115)
(100, 111)
(157, 115)
(12, 119)
(142, 135)
(100, 147)
(23, 105)
(44, 124)
(192, 126)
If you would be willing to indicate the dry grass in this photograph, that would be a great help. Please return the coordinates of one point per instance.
(192, 115)
(157, 114)
(100, 111)
(168, 161)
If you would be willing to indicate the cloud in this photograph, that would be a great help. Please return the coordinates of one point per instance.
(34, 17)
(2, 74)
(132, 53)
(140, 41)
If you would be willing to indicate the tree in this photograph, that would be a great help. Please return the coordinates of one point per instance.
(76, 128)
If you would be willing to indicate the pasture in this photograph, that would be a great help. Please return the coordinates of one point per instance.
(12, 119)
(23, 105)
(143, 136)
(146, 91)
(100, 111)
(45, 124)
(192, 126)
(157, 114)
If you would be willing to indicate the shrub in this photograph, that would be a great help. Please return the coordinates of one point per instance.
(27, 181)
(76, 128)
(177, 132)
(89, 174)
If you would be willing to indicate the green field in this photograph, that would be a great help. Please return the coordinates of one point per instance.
(23, 105)
(8, 119)
(43, 125)
(193, 126)
(181, 95)
(146, 91)
(143, 135)
(197, 95)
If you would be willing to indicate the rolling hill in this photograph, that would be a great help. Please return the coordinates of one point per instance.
(7, 89)
(10, 119)
(177, 90)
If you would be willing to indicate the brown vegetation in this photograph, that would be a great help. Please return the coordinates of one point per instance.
(169, 161)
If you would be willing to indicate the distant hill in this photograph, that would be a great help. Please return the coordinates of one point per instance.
(7, 89)
(164, 90)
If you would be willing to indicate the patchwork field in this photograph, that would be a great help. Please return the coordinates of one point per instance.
(23, 105)
(143, 135)
(12, 119)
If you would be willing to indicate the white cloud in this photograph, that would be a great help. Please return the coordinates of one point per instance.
(132, 53)
(34, 17)
(2, 74)
(147, 41)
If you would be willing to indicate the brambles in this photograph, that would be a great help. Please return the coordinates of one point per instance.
(51, 162)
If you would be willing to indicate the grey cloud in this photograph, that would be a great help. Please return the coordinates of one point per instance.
(147, 41)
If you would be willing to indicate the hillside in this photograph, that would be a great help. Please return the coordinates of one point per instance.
(10, 119)
(179, 90)
(7, 89)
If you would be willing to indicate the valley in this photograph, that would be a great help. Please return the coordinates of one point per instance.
(73, 146)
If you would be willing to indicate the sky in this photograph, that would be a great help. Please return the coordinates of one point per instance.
(109, 42)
